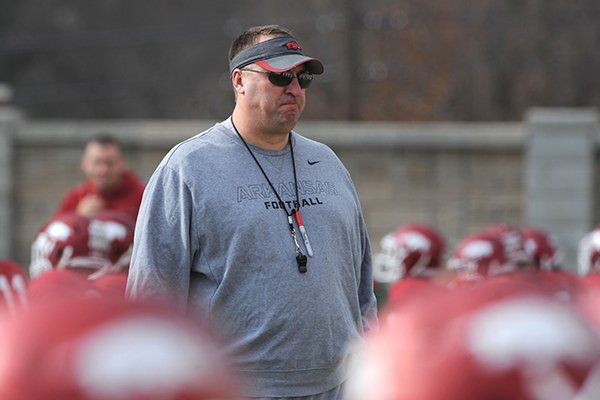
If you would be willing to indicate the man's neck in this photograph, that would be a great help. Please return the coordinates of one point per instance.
(258, 135)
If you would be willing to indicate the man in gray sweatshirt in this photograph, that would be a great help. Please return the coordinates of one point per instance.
(261, 230)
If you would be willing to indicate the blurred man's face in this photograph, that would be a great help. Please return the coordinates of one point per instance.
(104, 165)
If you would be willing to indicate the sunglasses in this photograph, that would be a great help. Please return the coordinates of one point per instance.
(282, 79)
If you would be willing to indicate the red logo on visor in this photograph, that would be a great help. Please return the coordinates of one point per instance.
(292, 46)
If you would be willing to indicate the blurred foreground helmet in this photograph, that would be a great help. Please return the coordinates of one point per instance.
(59, 284)
(412, 249)
(13, 288)
(111, 284)
(542, 248)
(490, 341)
(109, 349)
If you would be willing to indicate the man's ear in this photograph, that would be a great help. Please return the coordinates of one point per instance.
(237, 81)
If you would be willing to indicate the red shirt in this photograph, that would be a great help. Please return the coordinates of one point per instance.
(126, 198)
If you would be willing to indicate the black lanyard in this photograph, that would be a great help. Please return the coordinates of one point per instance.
(301, 259)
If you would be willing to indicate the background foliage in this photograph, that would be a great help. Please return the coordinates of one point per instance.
(385, 60)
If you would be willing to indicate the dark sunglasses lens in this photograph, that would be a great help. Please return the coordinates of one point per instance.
(285, 78)
(304, 80)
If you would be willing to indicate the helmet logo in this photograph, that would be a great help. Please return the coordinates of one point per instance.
(478, 249)
(417, 241)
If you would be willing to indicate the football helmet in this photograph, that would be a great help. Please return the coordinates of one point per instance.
(592, 280)
(402, 291)
(542, 248)
(70, 283)
(110, 349)
(13, 287)
(588, 253)
(111, 284)
(477, 256)
(492, 341)
(112, 235)
(65, 242)
(87, 244)
(412, 249)
(512, 243)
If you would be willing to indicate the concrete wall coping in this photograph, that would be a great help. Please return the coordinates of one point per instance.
(562, 116)
(158, 133)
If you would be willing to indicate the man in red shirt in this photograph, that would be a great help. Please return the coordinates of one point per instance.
(110, 185)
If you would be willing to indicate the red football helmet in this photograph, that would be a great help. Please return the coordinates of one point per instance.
(478, 256)
(588, 256)
(490, 341)
(67, 282)
(512, 242)
(65, 242)
(13, 287)
(587, 301)
(110, 349)
(112, 235)
(412, 249)
(111, 284)
(543, 249)
(101, 243)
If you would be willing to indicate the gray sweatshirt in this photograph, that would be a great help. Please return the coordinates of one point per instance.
(212, 237)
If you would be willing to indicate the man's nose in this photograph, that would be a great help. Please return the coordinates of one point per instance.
(294, 86)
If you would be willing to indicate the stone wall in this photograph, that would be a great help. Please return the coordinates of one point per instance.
(456, 176)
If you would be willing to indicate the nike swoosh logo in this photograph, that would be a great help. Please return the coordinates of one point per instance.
(312, 162)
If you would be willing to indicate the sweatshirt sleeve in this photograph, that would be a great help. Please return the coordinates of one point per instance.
(162, 250)
(366, 292)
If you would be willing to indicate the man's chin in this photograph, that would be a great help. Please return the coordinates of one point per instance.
(290, 118)
(288, 126)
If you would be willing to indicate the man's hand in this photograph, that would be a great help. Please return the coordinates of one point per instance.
(90, 205)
